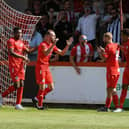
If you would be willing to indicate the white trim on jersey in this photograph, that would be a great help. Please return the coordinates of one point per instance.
(87, 50)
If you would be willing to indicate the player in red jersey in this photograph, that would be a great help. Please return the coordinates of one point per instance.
(16, 58)
(125, 82)
(110, 54)
(82, 52)
(43, 74)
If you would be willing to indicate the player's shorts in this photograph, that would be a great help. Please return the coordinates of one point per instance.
(17, 74)
(126, 76)
(112, 80)
(43, 76)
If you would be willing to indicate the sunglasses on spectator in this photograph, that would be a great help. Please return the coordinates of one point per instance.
(84, 39)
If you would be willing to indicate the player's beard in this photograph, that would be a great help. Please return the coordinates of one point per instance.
(53, 40)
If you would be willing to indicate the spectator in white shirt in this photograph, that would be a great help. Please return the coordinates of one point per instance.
(87, 25)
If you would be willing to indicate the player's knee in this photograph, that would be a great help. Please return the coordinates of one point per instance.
(16, 85)
(51, 86)
(114, 92)
(42, 87)
(21, 83)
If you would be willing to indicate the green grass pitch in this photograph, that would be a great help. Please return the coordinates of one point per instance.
(62, 119)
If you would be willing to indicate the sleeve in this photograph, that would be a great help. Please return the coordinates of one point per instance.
(55, 49)
(73, 51)
(10, 44)
(106, 54)
(79, 25)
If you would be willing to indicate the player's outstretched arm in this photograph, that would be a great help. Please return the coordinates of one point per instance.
(68, 42)
(46, 51)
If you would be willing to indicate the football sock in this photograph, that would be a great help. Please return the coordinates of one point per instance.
(47, 90)
(115, 100)
(19, 95)
(40, 97)
(8, 91)
(108, 102)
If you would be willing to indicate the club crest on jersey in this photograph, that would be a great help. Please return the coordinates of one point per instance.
(43, 80)
(16, 77)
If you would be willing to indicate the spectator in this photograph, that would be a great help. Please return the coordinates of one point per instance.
(105, 19)
(28, 11)
(36, 8)
(35, 41)
(55, 4)
(114, 26)
(98, 5)
(82, 52)
(44, 24)
(87, 25)
(62, 28)
(70, 16)
(52, 16)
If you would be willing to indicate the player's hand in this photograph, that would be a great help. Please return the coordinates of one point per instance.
(69, 41)
(78, 70)
(100, 49)
(26, 59)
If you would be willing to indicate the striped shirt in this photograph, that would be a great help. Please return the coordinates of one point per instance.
(114, 28)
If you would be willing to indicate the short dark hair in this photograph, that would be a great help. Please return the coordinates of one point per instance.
(125, 31)
(16, 29)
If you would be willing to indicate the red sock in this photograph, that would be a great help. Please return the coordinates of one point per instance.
(19, 95)
(122, 97)
(40, 97)
(8, 91)
(47, 90)
(108, 102)
(115, 100)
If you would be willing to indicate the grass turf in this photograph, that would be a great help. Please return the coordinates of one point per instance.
(62, 119)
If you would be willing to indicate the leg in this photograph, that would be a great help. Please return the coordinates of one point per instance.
(49, 89)
(19, 86)
(109, 97)
(125, 83)
(9, 90)
(123, 95)
(40, 95)
(50, 83)
(20, 92)
(115, 98)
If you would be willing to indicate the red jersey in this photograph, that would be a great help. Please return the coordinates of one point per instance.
(82, 53)
(126, 52)
(18, 47)
(42, 59)
(112, 51)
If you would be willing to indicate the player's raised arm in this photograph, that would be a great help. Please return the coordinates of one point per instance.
(68, 42)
